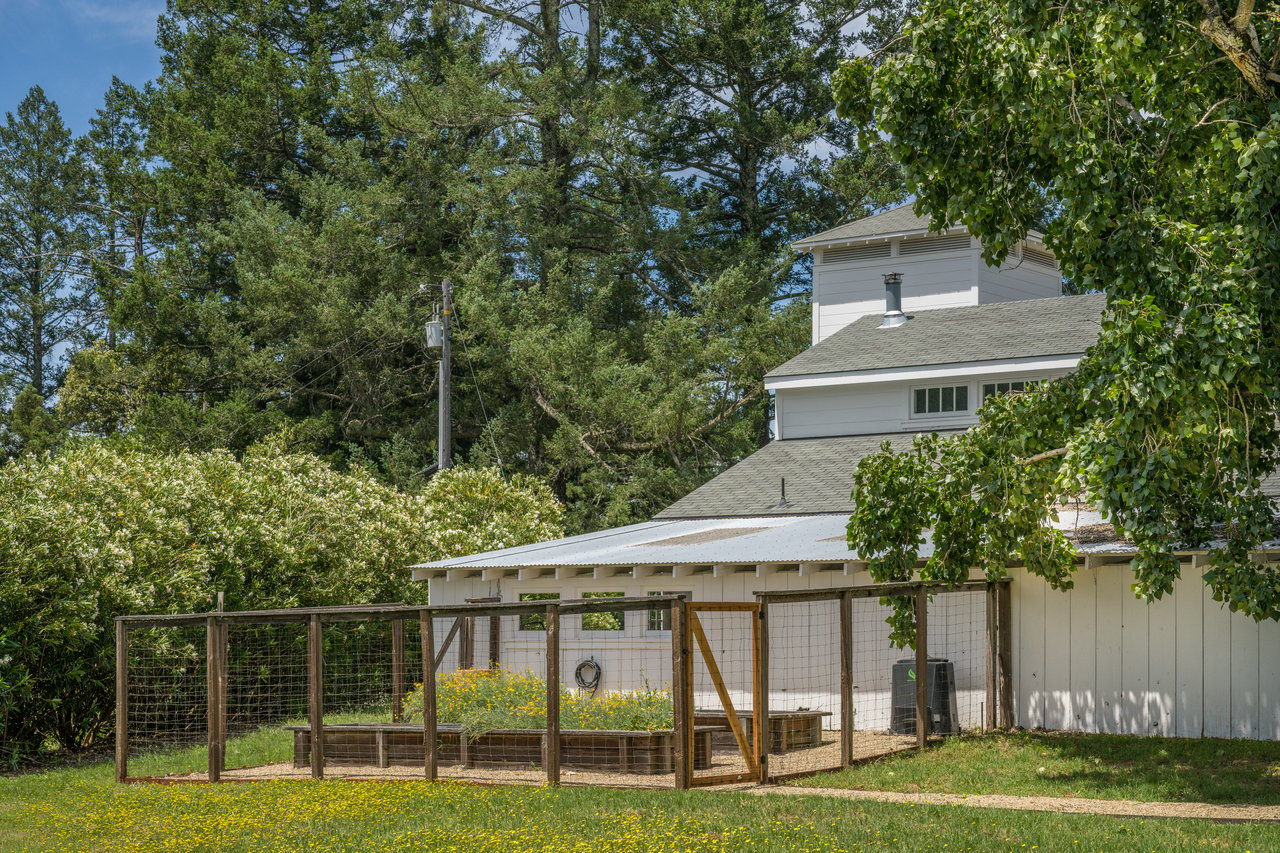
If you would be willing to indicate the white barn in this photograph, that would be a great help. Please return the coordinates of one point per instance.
(1091, 659)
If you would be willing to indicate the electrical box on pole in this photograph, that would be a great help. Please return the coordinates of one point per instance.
(438, 336)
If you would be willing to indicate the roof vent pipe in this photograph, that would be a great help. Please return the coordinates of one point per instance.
(893, 315)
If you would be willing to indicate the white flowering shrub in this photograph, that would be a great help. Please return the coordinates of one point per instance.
(97, 531)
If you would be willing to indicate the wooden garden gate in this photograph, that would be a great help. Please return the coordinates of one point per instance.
(722, 648)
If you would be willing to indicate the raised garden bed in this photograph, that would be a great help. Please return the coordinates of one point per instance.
(387, 744)
(788, 730)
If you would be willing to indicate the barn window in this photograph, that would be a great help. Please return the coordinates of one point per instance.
(536, 621)
(660, 619)
(940, 400)
(608, 620)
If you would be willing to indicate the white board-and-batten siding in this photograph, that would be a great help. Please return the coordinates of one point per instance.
(1097, 659)
(845, 290)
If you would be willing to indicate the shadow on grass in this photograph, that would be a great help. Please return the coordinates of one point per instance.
(1080, 765)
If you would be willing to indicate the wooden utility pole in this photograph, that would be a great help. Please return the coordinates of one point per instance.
(445, 436)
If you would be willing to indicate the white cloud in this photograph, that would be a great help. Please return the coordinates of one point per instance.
(134, 20)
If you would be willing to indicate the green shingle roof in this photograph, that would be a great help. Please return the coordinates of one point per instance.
(819, 474)
(899, 220)
(1032, 328)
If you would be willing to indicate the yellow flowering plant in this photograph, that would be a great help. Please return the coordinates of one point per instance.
(482, 700)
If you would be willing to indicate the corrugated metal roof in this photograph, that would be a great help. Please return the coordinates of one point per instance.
(898, 220)
(1031, 328)
(715, 541)
(818, 472)
(727, 541)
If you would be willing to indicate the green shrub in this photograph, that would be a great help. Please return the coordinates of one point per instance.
(482, 700)
(98, 531)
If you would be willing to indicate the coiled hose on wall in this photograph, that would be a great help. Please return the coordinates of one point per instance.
(587, 675)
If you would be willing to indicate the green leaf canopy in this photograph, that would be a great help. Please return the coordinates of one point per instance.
(1152, 131)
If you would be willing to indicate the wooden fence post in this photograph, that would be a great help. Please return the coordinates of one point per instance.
(315, 694)
(397, 670)
(495, 642)
(993, 654)
(122, 701)
(1005, 628)
(682, 710)
(846, 679)
(215, 692)
(430, 734)
(551, 743)
(762, 682)
(922, 666)
(467, 643)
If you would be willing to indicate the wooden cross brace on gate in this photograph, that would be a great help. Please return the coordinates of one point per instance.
(750, 750)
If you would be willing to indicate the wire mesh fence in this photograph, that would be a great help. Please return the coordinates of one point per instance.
(167, 699)
(646, 691)
(806, 667)
(840, 691)
(723, 644)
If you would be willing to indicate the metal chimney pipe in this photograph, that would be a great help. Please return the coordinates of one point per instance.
(893, 315)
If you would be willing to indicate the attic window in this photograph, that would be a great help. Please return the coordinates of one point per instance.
(854, 253)
(940, 400)
(990, 389)
(933, 244)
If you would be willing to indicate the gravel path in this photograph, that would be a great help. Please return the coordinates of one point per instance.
(1062, 805)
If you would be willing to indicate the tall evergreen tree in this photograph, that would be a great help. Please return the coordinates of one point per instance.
(46, 304)
(121, 209)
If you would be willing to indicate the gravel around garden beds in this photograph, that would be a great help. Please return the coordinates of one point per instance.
(827, 756)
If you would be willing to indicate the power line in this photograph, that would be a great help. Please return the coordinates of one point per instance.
(484, 412)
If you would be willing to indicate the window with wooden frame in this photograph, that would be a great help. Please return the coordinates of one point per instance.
(660, 618)
(940, 401)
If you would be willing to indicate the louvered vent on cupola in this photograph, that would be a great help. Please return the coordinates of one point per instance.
(933, 244)
(1039, 256)
(854, 253)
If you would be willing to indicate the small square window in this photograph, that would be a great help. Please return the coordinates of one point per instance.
(608, 620)
(536, 621)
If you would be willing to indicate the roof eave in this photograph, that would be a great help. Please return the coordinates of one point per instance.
(808, 244)
(1051, 361)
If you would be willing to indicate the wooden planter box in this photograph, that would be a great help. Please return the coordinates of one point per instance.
(400, 744)
(788, 730)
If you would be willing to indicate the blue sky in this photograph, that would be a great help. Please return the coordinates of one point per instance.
(72, 48)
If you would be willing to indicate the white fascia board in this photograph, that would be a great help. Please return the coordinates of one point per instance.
(923, 372)
(803, 246)
(809, 244)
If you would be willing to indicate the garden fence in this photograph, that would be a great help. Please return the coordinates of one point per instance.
(556, 691)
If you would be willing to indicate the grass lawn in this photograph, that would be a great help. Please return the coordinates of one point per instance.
(83, 809)
(1109, 767)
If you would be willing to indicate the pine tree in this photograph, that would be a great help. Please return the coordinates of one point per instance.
(46, 303)
(121, 210)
